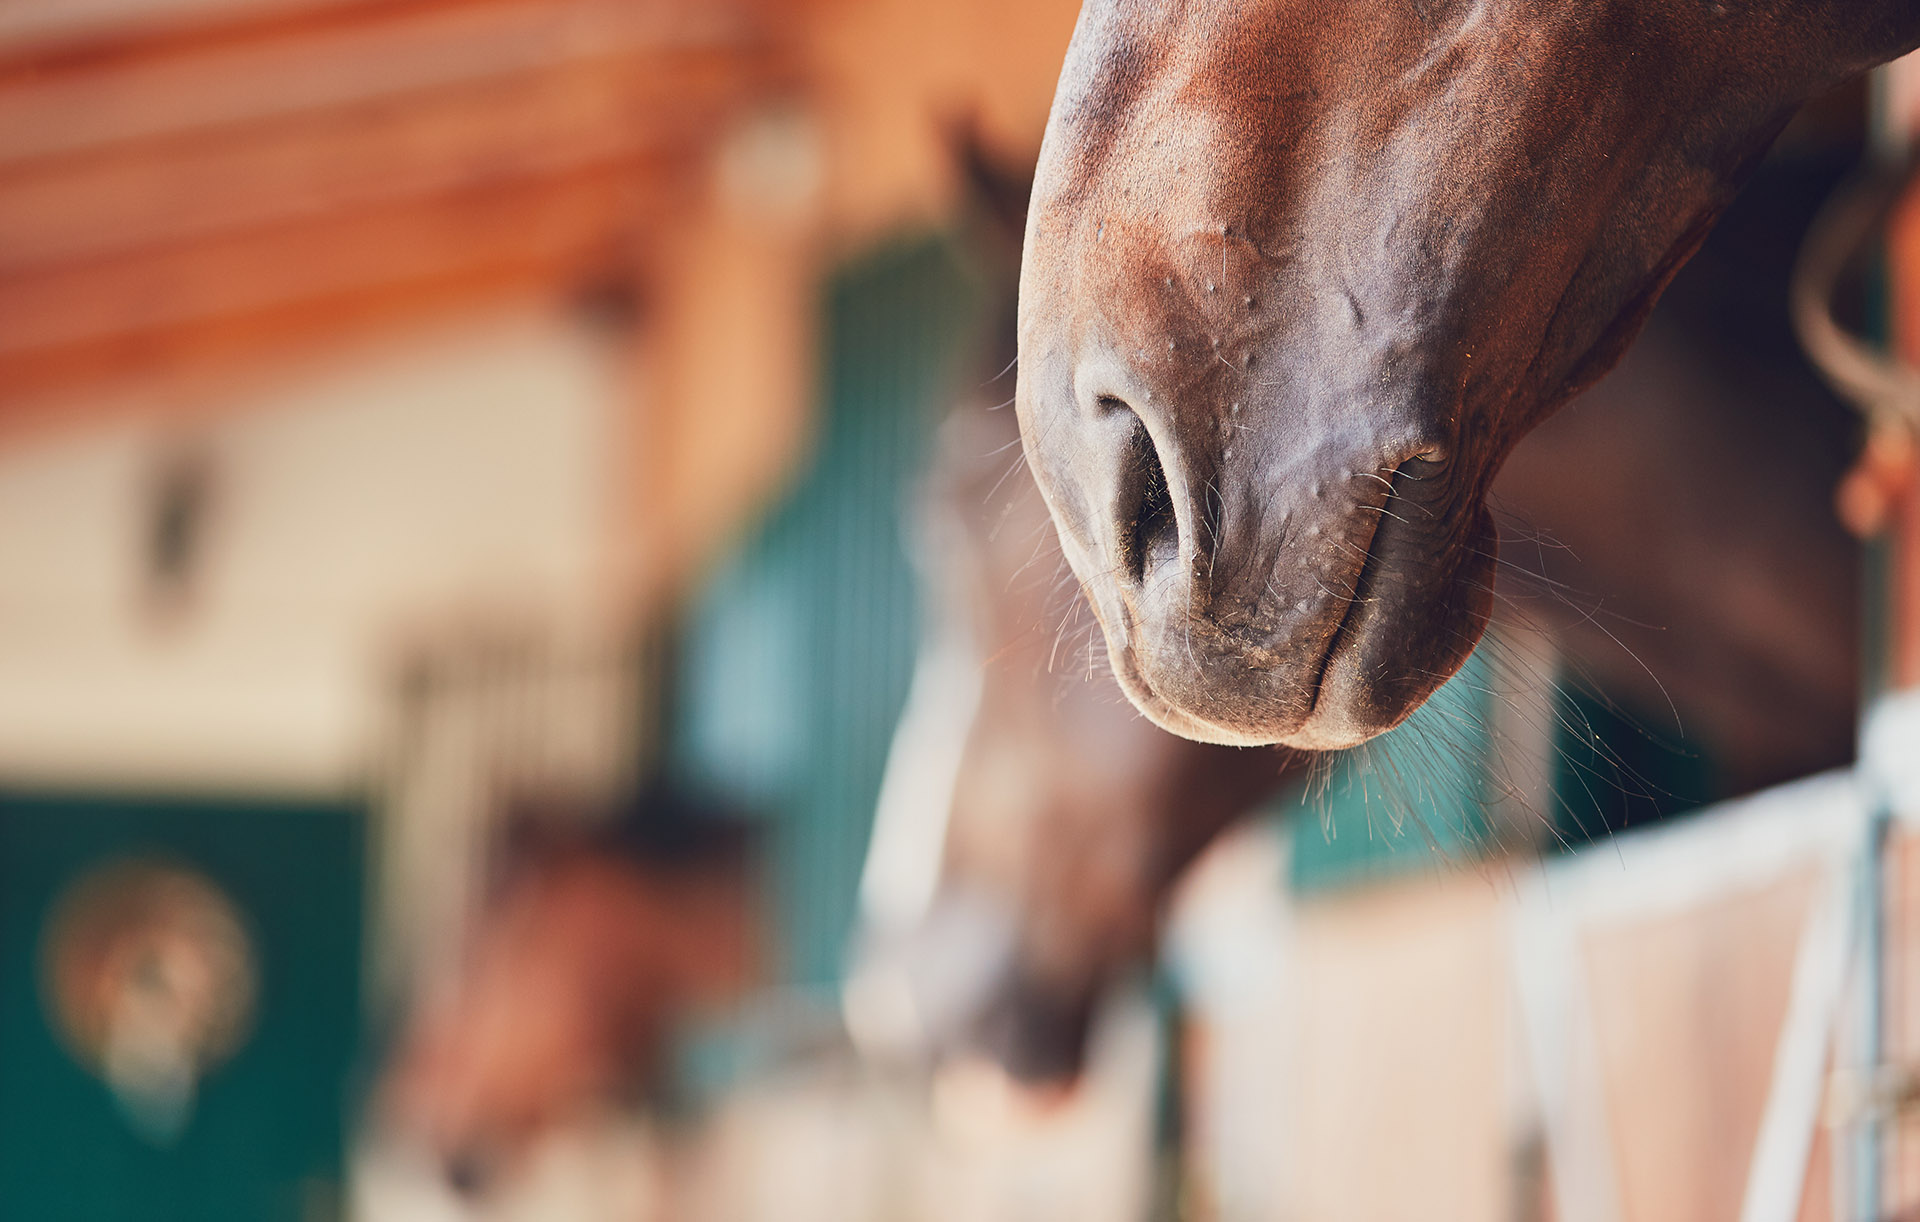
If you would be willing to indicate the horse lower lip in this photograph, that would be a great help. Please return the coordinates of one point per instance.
(1362, 580)
(1140, 690)
(1334, 642)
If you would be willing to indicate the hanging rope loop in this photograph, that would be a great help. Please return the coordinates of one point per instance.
(1885, 389)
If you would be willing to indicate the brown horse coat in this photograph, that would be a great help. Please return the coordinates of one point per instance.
(1300, 274)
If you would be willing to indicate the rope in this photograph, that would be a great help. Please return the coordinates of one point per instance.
(1885, 389)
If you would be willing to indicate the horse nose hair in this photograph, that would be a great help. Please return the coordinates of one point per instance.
(1147, 521)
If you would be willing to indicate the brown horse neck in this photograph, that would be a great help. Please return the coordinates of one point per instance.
(1820, 42)
(1844, 38)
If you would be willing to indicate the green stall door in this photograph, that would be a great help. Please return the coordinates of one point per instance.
(798, 654)
(256, 964)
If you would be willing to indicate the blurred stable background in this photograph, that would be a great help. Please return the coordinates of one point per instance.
(533, 683)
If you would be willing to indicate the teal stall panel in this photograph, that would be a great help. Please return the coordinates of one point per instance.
(1425, 793)
(1411, 799)
(796, 659)
(1616, 768)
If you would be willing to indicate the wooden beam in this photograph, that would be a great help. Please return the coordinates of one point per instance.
(170, 195)
(127, 198)
(108, 319)
(113, 92)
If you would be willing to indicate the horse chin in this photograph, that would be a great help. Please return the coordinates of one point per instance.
(1328, 726)
(1169, 716)
(1391, 653)
(1187, 723)
(1331, 729)
(1346, 712)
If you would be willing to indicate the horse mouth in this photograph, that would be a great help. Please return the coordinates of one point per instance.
(1342, 632)
(1139, 688)
(1417, 601)
(1163, 712)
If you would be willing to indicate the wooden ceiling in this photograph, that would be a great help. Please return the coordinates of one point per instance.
(188, 192)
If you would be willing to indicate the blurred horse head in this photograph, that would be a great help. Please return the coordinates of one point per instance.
(595, 944)
(1032, 821)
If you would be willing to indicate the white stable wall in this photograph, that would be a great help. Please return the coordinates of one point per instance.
(463, 477)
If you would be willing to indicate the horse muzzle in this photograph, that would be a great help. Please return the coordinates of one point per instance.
(1258, 585)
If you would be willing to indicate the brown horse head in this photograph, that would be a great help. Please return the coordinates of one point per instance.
(596, 943)
(1299, 275)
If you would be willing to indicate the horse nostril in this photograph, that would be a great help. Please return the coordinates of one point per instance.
(1149, 529)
